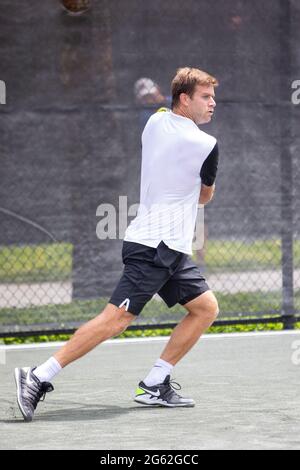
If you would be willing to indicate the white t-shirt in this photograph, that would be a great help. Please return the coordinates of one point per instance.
(173, 152)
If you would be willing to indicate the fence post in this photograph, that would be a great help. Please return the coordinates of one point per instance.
(285, 119)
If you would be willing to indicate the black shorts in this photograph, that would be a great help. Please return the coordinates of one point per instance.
(148, 271)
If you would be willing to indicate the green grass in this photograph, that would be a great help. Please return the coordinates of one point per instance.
(36, 263)
(80, 311)
(53, 262)
(231, 306)
(224, 255)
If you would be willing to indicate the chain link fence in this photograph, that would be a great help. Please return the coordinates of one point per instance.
(76, 103)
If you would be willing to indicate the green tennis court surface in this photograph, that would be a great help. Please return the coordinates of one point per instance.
(246, 388)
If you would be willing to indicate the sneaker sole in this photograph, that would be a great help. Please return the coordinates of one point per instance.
(158, 402)
(18, 380)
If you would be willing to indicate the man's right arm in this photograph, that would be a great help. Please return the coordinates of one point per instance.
(206, 193)
(208, 175)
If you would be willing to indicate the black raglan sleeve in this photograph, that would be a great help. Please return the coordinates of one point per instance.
(209, 168)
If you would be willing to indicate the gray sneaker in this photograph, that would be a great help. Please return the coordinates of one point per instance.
(162, 395)
(30, 391)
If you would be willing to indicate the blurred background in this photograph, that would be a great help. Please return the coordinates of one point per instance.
(80, 88)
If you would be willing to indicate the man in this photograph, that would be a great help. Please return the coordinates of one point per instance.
(179, 165)
(146, 91)
(148, 94)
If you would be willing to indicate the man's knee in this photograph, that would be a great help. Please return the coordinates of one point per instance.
(123, 323)
(204, 306)
(119, 320)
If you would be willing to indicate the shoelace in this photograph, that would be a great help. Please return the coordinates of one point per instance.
(171, 386)
(46, 387)
(172, 383)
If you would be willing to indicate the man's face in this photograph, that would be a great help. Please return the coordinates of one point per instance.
(202, 104)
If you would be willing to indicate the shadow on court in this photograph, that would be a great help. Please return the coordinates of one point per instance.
(76, 412)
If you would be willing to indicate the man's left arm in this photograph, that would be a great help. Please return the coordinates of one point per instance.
(208, 175)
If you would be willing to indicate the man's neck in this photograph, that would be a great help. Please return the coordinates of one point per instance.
(182, 112)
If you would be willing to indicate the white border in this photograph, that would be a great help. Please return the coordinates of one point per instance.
(212, 336)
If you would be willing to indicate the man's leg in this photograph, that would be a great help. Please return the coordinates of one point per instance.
(111, 322)
(156, 389)
(202, 312)
(32, 384)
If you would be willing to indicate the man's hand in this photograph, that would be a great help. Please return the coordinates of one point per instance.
(206, 193)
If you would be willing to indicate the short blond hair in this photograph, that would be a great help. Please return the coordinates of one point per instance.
(186, 80)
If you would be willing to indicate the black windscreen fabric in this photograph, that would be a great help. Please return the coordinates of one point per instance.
(70, 148)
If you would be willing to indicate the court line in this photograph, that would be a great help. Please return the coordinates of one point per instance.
(217, 336)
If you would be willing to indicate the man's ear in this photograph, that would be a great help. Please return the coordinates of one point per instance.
(184, 99)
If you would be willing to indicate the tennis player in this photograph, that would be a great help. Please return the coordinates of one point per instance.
(179, 167)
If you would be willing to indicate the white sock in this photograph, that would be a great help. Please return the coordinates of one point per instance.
(48, 370)
(158, 373)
